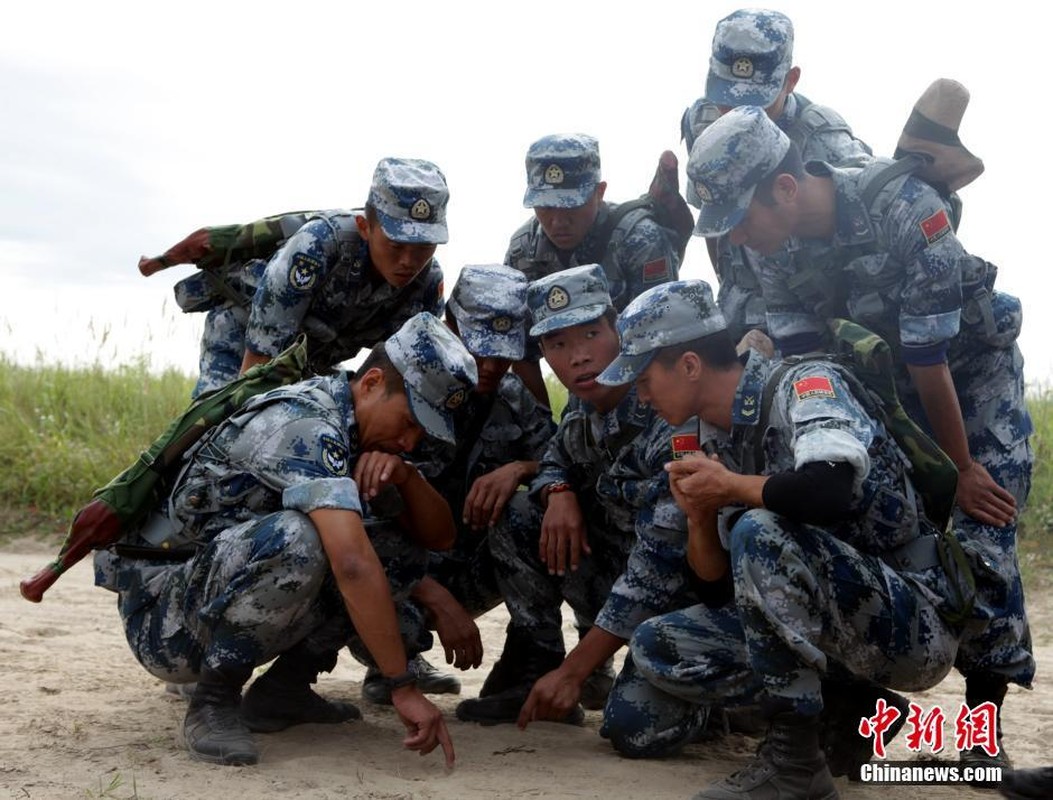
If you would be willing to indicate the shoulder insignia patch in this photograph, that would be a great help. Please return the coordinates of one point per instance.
(683, 444)
(334, 455)
(816, 386)
(303, 272)
(656, 270)
(936, 227)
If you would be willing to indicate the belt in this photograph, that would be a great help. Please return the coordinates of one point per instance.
(154, 553)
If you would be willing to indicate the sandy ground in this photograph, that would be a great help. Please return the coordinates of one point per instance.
(81, 719)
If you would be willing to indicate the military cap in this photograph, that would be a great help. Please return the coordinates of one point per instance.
(672, 313)
(438, 372)
(563, 171)
(489, 304)
(729, 159)
(410, 197)
(752, 52)
(567, 298)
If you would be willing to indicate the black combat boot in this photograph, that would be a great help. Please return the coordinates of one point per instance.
(213, 730)
(986, 688)
(283, 697)
(1028, 784)
(508, 685)
(377, 689)
(845, 703)
(788, 766)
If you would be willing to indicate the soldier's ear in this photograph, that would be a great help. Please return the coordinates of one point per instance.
(363, 226)
(790, 83)
(691, 366)
(785, 188)
(601, 188)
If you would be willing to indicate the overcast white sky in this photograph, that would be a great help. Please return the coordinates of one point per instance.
(128, 125)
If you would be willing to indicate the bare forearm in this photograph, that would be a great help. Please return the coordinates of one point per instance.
(940, 400)
(251, 359)
(428, 516)
(705, 554)
(591, 653)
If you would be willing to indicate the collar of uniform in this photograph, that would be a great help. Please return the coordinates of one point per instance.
(345, 402)
(746, 409)
(789, 112)
(629, 411)
(851, 218)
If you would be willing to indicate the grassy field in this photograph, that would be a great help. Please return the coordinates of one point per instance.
(65, 431)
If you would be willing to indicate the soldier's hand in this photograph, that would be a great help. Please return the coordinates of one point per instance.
(697, 484)
(552, 697)
(459, 635)
(375, 470)
(563, 538)
(490, 494)
(983, 499)
(425, 727)
(759, 341)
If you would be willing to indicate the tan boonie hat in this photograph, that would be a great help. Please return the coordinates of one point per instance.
(932, 132)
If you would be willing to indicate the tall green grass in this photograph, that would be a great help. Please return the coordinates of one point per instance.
(66, 431)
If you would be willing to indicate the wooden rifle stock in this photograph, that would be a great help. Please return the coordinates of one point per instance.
(96, 525)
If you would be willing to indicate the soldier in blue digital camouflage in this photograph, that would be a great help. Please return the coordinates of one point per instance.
(881, 251)
(348, 279)
(610, 540)
(573, 225)
(752, 65)
(804, 508)
(259, 551)
(501, 432)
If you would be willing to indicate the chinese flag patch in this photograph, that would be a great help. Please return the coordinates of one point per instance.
(655, 270)
(936, 227)
(685, 443)
(813, 387)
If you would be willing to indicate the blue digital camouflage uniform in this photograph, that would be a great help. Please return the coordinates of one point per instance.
(488, 304)
(257, 580)
(614, 462)
(752, 53)
(563, 171)
(898, 269)
(806, 598)
(322, 281)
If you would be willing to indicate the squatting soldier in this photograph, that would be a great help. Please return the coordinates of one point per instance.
(348, 279)
(752, 65)
(573, 225)
(807, 508)
(896, 267)
(259, 551)
(611, 539)
(501, 432)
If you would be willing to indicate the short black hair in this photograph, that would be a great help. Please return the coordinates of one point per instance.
(378, 358)
(791, 164)
(371, 213)
(717, 350)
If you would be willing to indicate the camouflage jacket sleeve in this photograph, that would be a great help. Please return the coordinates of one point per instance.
(287, 287)
(564, 451)
(643, 256)
(919, 236)
(655, 577)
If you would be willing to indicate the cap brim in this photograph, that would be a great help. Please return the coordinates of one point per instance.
(568, 319)
(722, 92)
(487, 343)
(716, 219)
(558, 198)
(625, 369)
(408, 231)
(435, 422)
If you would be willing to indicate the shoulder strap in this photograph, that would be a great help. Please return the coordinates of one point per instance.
(880, 179)
(767, 398)
(616, 215)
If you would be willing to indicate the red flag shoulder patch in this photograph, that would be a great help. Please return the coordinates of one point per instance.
(813, 387)
(685, 443)
(936, 227)
(655, 270)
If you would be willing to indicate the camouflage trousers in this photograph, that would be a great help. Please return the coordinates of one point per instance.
(251, 593)
(990, 387)
(467, 571)
(534, 597)
(222, 347)
(804, 602)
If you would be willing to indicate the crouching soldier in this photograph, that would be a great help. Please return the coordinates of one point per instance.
(501, 433)
(610, 540)
(808, 509)
(258, 551)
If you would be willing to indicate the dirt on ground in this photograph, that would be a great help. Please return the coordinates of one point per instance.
(81, 719)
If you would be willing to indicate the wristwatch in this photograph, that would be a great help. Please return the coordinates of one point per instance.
(407, 678)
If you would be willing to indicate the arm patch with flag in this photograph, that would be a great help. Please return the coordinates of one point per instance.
(816, 386)
(683, 444)
(936, 227)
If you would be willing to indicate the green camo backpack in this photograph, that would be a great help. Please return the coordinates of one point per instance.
(126, 499)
